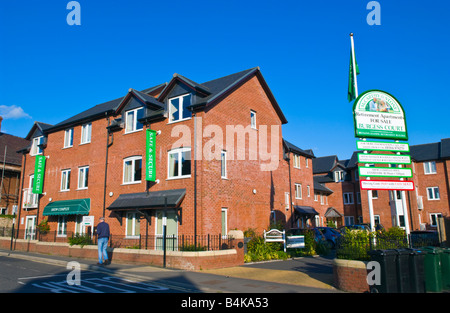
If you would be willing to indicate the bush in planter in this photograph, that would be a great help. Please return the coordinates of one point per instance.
(81, 240)
(43, 227)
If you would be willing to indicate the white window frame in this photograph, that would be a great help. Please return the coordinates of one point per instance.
(436, 216)
(35, 149)
(307, 162)
(62, 226)
(308, 191)
(253, 119)
(373, 194)
(86, 133)
(134, 122)
(133, 160)
(223, 164)
(338, 176)
(297, 161)
(298, 191)
(433, 193)
(180, 108)
(65, 180)
(349, 220)
(135, 218)
(348, 198)
(316, 196)
(68, 138)
(428, 167)
(224, 211)
(79, 227)
(322, 198)
(179, 152)
(83, 178)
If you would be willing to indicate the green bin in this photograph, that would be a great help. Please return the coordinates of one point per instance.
(445, 268)
(432, 264)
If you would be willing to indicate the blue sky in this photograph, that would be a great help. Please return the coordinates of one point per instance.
(50, 71)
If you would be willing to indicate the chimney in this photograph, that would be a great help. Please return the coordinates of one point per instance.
(1, 119)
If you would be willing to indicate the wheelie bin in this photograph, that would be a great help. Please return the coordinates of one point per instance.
(445, 268)
(388, 268)
(404, 284)
(432, 264)
(417, 270)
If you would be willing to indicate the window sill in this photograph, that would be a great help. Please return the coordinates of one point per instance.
(86, 188)
(178, 177)
(131, 183)
(182, 120)
(68, 147)
(84, 143)
(133, 131)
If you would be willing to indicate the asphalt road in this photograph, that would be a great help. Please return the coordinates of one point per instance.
(27, 273)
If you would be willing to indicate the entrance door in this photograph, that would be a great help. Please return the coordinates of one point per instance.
(30, 228)
(171, 221)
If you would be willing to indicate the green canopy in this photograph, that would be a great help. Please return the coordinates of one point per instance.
(68, 207)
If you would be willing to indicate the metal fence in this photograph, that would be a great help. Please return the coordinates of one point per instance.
(358, 249)
(209, 242)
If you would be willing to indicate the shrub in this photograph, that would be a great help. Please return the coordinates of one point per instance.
(43, 227)
(82, 240)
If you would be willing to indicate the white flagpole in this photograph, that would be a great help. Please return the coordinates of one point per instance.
(354, 65)
(369, 192)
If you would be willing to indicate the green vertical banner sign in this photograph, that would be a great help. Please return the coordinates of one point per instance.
(39, 170)
(150, 174)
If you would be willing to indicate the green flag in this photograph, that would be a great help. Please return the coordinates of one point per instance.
(351, 95)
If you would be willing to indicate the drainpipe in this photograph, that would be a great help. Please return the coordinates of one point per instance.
(195, 180)
(19, 205)
(108, 144)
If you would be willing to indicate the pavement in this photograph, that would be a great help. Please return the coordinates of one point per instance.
(315, 273)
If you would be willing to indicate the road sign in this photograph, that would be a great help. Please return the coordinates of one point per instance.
(384, 171)
(384, 158)
(386, 185)
(378, 114)
(382, 146)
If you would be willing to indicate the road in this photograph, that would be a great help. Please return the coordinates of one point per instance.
(27, 273)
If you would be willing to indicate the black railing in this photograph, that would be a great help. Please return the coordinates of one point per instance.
(358, 249)
(207, 242)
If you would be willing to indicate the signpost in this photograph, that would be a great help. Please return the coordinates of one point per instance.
(377, 114)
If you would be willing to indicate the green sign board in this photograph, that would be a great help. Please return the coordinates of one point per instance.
(384, 158)
(378, 114)
(369, 171)
(39, 169)
(150, 174)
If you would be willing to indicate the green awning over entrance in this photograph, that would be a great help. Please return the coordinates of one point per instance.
(68, 207)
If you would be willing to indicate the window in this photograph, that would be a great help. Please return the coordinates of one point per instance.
(434, 219)
(86, 131)
(433, 193)
(83, 174)
(286, 200)
(224, 221)
(132, 170)
(307, 162)
(358, 197)
(321, 199)
(349, 220)
(338, 176)
(35, 149)
(429, 167)
(179, 163)
(298, 191)
(132, 123)
(308, 191)
(316, 196)
(79, 227)
(348, 198)
(65, 180)
(68, 138)
(374, 194)
(62, 225)
(253, 119)
(178, 108)
(296, 161)
(133, 228)
(223, 159)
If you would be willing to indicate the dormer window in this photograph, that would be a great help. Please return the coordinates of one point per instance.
(178, 108)
(35, 149)
(132, 120)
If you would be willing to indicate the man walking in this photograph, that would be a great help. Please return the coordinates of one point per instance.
(102, 241)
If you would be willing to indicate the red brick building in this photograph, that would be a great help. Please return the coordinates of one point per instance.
(221, 163)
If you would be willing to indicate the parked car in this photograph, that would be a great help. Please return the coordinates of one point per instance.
(331, 235)
(365, 227)
(318, 236)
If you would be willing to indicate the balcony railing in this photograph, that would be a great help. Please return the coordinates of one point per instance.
(30, 199)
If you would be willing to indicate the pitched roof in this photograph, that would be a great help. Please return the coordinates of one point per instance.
(294, 148)
(426, 152)
(324, 164)
(12, 144)
(212, 91)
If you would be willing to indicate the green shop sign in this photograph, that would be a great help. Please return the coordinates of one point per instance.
(39, 169)
(150, 174)
(378, 114)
